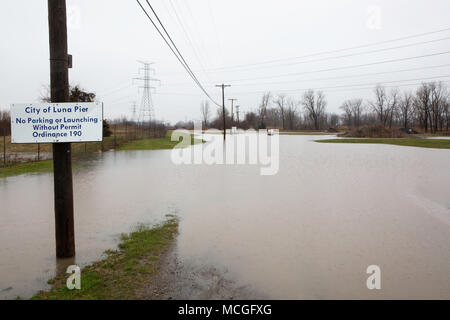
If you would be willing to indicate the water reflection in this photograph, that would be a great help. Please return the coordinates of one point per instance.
(308, 232)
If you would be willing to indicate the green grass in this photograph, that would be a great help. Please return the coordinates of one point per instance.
(154, 144)
(307, 133)
(407, 142)
(24, 168)
(17, 169)
(14, 169)
(125, 272)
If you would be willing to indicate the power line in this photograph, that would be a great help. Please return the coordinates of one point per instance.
(219, 46)
(189, 39)
(349, 86)
(347, 77)
(337, 50)
(174, 49)
(202, 43)
(110, 92)
(345, 67)
(344, 56)
(392, 86)
(336, 78)
(180, 57)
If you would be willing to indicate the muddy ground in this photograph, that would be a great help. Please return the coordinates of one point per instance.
(179, 280)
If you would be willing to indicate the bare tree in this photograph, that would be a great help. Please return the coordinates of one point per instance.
(352, 112)
(422, 104)
(314, 106)
(405, 107)
(251, 120)
(438, 95)
(204, 109)
(5, 121)
(447, 111)
(392, 102)
(219, 120)
(426, 108)
(333, 120)
(291, 113)
(262, 110)
(357, 110)
(281, 102)
(347, 115)
(380, 105)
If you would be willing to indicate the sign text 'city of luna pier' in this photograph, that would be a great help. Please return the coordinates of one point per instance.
(57, 122)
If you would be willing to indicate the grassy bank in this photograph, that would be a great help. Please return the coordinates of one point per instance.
(124, 273)
(319, 133)
(154, 144)
(407, 142)
(108, 143)
(119, 143)
(23, 168)
(27, 165)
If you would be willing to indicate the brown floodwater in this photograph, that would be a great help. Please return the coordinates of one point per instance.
(308, 232)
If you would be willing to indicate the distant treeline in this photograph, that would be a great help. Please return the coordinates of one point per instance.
(5, 122)
(427, 109)
(154, 128)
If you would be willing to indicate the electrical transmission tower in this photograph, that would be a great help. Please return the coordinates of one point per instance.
(147, 111)
(133, 111)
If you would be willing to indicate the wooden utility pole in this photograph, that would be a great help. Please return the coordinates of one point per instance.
(62, 153)
(115, 140)
(223, 86)
(4, 146)
(232, 111)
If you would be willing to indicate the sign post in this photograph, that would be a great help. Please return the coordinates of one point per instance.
(60, 124)
(62, 152)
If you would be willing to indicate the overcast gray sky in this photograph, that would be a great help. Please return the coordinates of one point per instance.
(106, 38)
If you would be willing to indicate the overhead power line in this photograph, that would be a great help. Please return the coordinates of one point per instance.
(344, 67)
(350, 86)
(337, 50)
(172, 46)
(332, 78)
(190, 40)
(347, 77)
(341, 56)
(331, 89)
(183, 61)
(392, 86)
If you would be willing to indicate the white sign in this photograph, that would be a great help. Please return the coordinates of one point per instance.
(57, 122)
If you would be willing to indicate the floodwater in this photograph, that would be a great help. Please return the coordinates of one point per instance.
(308, 232)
